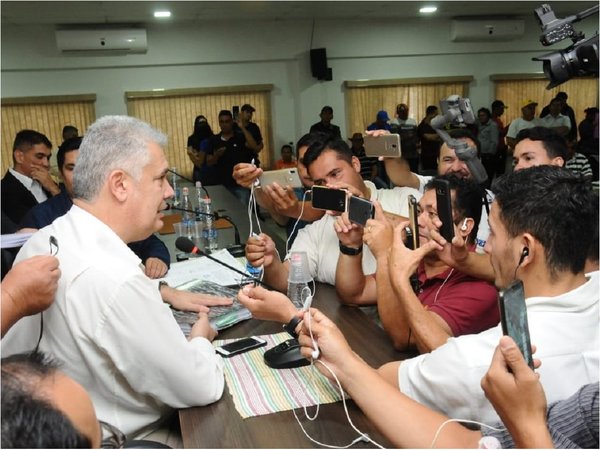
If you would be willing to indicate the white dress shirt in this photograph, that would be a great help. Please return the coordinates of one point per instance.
(32, 185)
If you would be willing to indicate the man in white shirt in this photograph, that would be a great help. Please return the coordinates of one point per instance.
(108, 324)
(527, 120)
(28, 182)
(555, 120)
(546, 248)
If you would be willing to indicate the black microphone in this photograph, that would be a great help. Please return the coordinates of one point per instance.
(188, 180)
(236, 249)
(186, 245)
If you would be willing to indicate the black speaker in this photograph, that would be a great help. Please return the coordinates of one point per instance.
(318, 64)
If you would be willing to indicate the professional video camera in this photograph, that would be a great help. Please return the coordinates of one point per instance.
(579, 59)
(457, 111)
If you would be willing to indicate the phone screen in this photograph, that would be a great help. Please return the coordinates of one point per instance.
(360, 210)
(235, 111)
(444, 208)
(513, 314)
(243, 345)
(328, 199)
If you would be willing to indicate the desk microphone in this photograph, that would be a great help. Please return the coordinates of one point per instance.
(186, 245)
(189, 181)
(236, 249)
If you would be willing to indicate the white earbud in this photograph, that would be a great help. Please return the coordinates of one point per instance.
(315, 353)
(464, 225)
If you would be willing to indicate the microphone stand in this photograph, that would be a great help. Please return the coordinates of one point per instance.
(236, 249)
(189, 181)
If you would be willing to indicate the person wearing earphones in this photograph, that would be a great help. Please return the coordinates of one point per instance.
(511, 387)
(540, 226)
(446, 302)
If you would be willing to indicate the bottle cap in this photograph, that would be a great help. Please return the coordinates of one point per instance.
(185, 190)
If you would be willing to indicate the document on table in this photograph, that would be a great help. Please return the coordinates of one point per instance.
(205, 269)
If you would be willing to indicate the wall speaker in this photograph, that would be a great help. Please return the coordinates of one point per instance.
(318, 64)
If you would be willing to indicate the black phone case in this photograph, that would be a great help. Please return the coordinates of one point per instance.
(444, 208)
(513, 317)
(360, 210)
(414, 226)
(328, 199)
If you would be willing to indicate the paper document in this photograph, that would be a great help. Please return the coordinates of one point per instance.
(205, 269)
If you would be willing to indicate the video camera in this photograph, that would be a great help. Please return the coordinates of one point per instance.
(579, 59)
(457, 111)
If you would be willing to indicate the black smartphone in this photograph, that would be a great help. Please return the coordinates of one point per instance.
(360, 210)
(241, 346)
(235, 111)
(444, 208)
(329, 199)
(513, 315)
(413, 214)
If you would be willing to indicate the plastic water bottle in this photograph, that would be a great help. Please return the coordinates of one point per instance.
(209, 233)
(188, 217)
(177, 198)
(200, 199)
(254, 272)
(298, 279)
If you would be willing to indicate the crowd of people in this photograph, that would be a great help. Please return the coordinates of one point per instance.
(82, 306)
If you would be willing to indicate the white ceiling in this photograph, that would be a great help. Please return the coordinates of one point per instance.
(141, 12)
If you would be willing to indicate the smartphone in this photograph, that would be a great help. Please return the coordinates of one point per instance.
(513, 316)
(387, 145)
(283, 177)
(444, 208)
(241, 346)
(413, 214)
(329, 199)
(360, 210)
(235, 111)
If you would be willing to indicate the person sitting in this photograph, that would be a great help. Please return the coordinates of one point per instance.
(287, 158)
(511, 387)
(108, 322)
(546, 248)
(28, 182)
(152, 251)
(447, 302)
(330, 164)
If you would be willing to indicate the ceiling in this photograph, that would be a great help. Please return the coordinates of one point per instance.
(141, 12)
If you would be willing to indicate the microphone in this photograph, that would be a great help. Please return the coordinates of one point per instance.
(186, 245)
(236, 249)
(188, 180)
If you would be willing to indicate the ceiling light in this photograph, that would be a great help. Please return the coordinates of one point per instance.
(428, 9)
(162, 14)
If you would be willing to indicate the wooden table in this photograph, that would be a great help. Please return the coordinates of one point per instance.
(220, 426)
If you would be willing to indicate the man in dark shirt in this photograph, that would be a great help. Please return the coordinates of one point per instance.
(430, 141)
(245, 119)
(325, 126)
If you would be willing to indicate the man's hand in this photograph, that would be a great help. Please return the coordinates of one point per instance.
(379, 233)
(190, 301)
(267, 305)
(403, 262)
(452, 253)
(42, 175)
(202, 328)
(283, 199)
(261, 250)
(348, 233)
(245, 174)
(31, 284)
(155, 268)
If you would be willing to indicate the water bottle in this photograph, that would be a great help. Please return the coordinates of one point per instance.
(200, 199)
(298, 279)
(188, 217)
(254, 272)
(209, 233)
(176, 199)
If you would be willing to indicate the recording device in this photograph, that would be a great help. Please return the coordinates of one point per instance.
(241, 346)
(235, 111)
(513, 316)
(444, 208)
(186, 245)
(329, 199)
(387, 145)
(283, 177)
(413, 214)
(457, 111)
(579, 59)
(360, 210)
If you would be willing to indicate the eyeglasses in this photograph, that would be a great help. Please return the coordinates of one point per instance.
(112, 437)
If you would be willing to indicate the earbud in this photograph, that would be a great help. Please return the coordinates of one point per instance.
(524, 254)
(463, 227)
(315, 353)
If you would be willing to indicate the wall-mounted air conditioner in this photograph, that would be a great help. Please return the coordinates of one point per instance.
(484, 30)
(110, 40)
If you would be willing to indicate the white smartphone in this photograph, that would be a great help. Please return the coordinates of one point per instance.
(283, 177)
(240, 346)
(387, 145)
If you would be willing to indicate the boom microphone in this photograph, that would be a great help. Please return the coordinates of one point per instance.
(186, 245)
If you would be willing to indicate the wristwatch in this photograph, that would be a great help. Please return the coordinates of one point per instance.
(350, 251)
(290, 327)
(161, 284)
